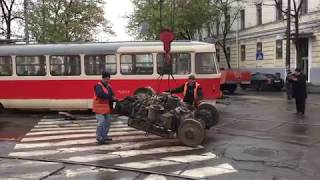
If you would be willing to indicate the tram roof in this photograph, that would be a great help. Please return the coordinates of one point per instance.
(81, 48)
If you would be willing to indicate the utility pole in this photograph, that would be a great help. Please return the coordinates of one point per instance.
(26, 20)
(288, 34)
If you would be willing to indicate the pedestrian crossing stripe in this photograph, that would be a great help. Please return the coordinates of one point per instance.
(75, 141)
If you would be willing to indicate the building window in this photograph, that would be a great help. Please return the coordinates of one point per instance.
(259, 47)
(304, 6)
(259, 13)
(136, 64)
(242, 15)
(65, 65)
(243, 52)
(228, 54)
(279, 15)
(218, 54)
(279, 49)
(205, 63)
(31, 65)
(96, 64)
(181, 63)
(5, 66)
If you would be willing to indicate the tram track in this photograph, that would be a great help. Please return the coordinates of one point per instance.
(97, 166)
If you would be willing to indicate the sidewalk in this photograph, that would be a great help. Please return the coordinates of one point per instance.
(313, 89)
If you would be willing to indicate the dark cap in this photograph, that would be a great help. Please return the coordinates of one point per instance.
(297, 70)
(105, 74)
(191, 77)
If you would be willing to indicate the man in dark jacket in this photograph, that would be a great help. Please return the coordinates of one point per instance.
(299, 90)
(289, 85)
(192, 92)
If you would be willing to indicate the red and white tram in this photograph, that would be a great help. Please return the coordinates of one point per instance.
(62, 76)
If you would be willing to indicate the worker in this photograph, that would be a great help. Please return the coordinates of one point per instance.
(102, 100)
(192, 92)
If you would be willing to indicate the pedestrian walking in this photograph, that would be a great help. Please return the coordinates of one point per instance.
(102, 100)
(289, 85)
(299, 90)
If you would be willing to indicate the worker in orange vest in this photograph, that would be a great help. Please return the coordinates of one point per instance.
(102, 105)
(192, 92)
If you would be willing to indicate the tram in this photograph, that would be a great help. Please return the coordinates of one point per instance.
(62, 76)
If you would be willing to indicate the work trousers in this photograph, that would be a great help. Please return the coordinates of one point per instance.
(103, 126)
(300, 105)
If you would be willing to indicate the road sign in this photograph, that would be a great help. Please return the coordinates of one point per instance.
(259, 56)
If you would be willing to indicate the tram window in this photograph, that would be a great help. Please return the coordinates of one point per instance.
(136, 64)
(205, 63)
(181, 63)
(65, 65)
(31, 65)
(96, 64)
(5, 66)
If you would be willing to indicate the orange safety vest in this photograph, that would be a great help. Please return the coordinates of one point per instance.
(195, 92)
(101, 106)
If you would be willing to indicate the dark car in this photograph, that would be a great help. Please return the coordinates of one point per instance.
(260, 81)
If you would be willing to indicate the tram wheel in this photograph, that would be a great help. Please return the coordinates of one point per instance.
(191, 132)
(209, 114)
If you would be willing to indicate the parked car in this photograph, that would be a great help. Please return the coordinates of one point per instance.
(261, 81)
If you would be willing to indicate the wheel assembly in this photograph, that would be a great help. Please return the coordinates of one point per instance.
(191, 132)
(166, 116)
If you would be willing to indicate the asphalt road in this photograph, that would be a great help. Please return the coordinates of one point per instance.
(258, 137)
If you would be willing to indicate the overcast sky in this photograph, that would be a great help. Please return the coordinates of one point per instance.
(114, 11)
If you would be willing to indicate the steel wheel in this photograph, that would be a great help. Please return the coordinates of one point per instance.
(191, 132)
(209, 114)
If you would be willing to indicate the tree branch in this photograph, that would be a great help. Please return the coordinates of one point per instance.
(3, 10)
(278, 5)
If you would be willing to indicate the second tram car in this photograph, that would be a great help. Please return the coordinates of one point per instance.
(62, 76)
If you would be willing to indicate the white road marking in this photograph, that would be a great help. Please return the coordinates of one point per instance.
(147, 164)
(72, 129)
(122, 146)
(188, 158)
(76, 130)
(34, 153)
(209, 171)
(82, 171)
(76, 125)
(131, 153)
(66, 148)
(106, 147)
(90, 158)
(74, 135)
(155, 150)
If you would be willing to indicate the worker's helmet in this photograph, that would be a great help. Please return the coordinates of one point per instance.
(192, 77)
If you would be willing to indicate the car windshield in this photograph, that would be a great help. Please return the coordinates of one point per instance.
(258, 76)
(270, 76)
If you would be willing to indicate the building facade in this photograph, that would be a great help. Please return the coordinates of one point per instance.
(257, 40)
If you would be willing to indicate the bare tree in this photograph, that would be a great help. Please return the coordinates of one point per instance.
(223, 24)
(295, 13)
(8, 15)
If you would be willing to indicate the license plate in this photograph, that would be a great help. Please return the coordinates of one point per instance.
(277, 81)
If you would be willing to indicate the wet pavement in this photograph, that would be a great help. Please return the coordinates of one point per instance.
(259, 137)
